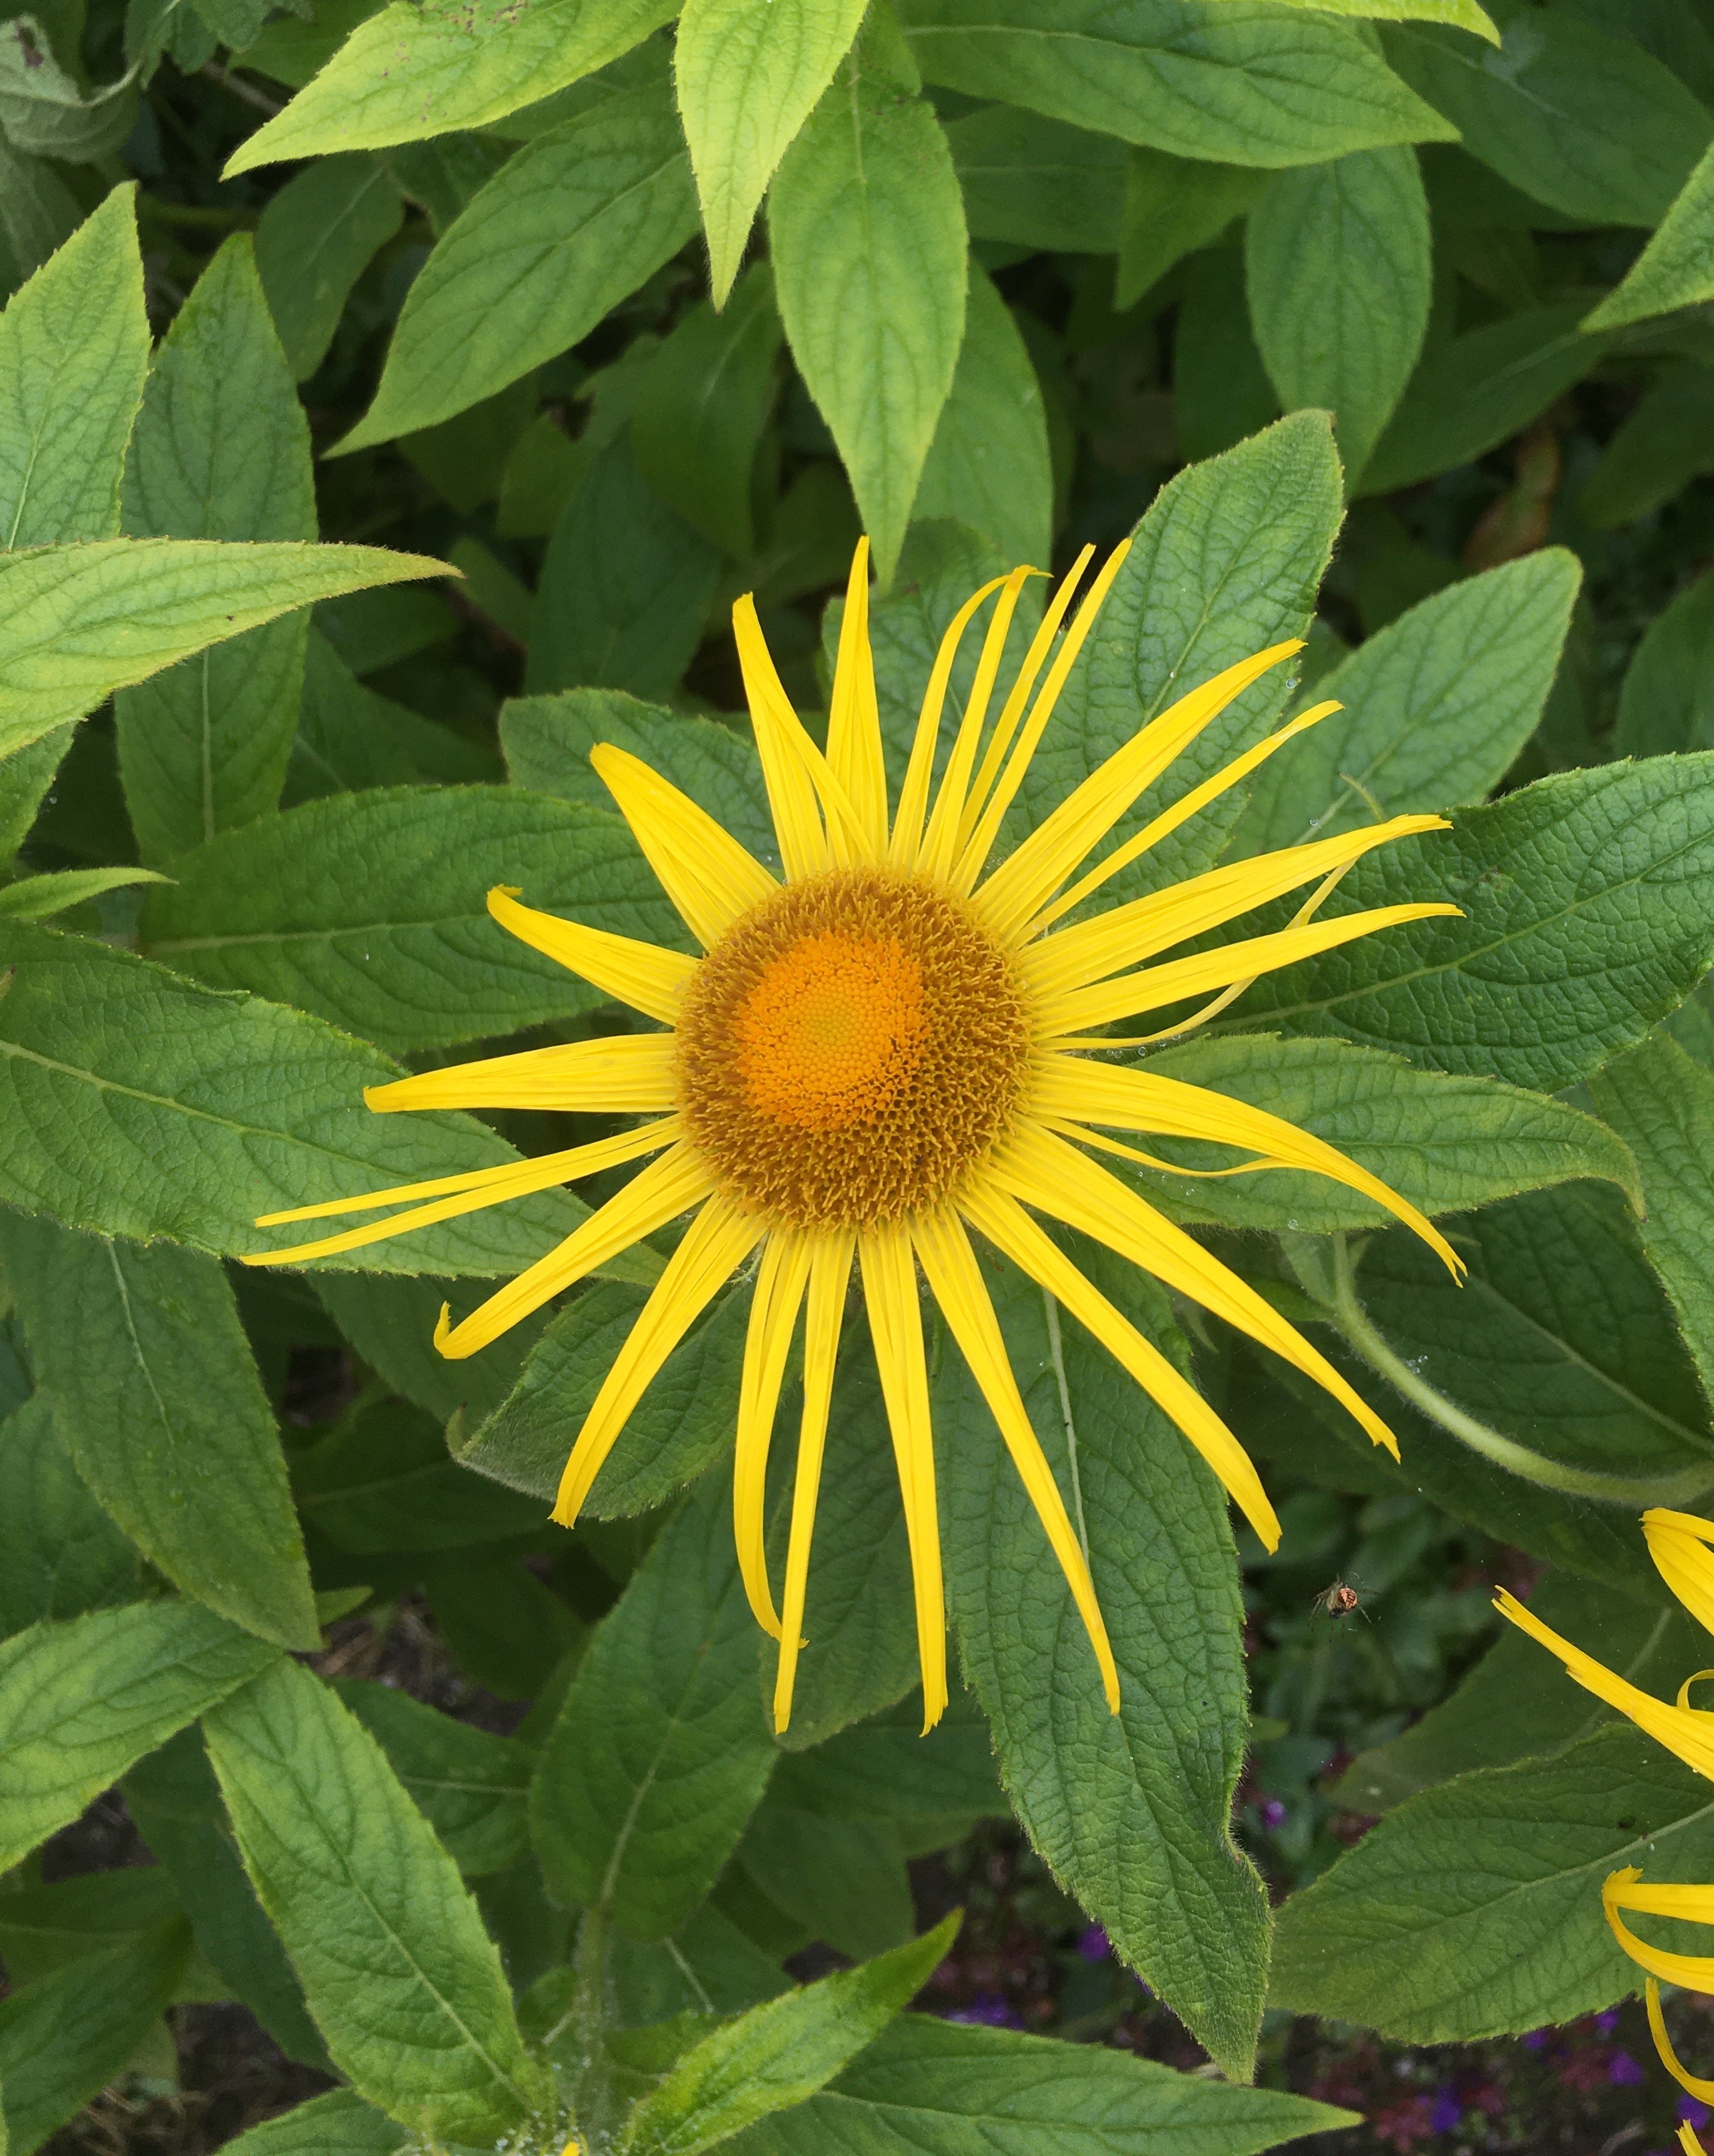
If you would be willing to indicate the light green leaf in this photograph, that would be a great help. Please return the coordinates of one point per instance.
(1237, 84)
(702, 406)
(382, 1479)
(39, 898)
(1339, 275)
(660, 1753)
(749, 74)
(337, 2124)
(471, 1787)
(1676, 268)
(1460, 14)
(928, 2085)
(25, 776)
(221, 451)
(73, 349)
(410, 71)
(142, 1105)
(780, 2053)
(80, 1702)
(1667, 699)
(1664, 442)
(988, 465)
(403, 1982)
(44, 112)
(1474, 1909)
(1437, 706)
(1031, 182)
(316, 238)
(1477, 391)
(59, 1552)
(156, 1397)
(565, 230)
(1590, 124)
(1586, 919)
(1174, 206)
(77, 622)
(867, 226)
(370, 909)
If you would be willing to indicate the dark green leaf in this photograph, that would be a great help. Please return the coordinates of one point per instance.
(382, 1479)
(885, 1768)
(337, 2124)
(60, 1554)
(844, 1881)
(46, 114)
(39, 213)
(509, 1630)
(1174, 206)
(1657, 449)
(1675, 268)
(390, 1322)
(1031, 182)
(41, 1929)
(1221, 392)
(471, 1787)
(316, 238)
(25, 776)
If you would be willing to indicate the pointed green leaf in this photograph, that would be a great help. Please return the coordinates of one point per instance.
(25, 776)
(389, 1320)
(43, 1928)
(382, 1479)
(1460, 14)
(1664, 442)
(844, 1881)
(1676, 268)
(59, 1552)
(316, 238)
(37, 213)
(470, 1786)
(1174, 206)
(1666, 702)
(43, 111)
(1032, 181)
(337, 2124)
(39, 898)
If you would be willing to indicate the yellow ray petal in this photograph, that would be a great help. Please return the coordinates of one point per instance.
(940, 845)
(853, 749)
(1023, 883)
(619, 1073)
(658, 1194)
(463, 1193)
(1126, 935)
(830, 1270)
(895, 1326)
(957, 1286)
(714, 1244)
(1698, 2087)
(1678, 1542)
(1181, 812)
(1081, 1135)
(1686, 1731)
(1012, 711)
(973, 859)
(642, 975)
(703, 870)
(1056, 1178)
(1152, 988)
(1011, 1231)
(780, 1281)
(1694, 1904)
(913, 796)
(791, 792)
(1080, 1091)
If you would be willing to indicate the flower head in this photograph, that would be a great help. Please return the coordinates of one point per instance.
(893, 1044)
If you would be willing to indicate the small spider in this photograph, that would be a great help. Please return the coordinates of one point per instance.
(1341, 1600)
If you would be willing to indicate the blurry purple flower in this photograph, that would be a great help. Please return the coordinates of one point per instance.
(1692, 2111)
(1609, 2021)
(1094, 1944)
(991, 2009)
(1536, 2039)
(1625, 2070)
(1444, 2113)
(1273, 1815)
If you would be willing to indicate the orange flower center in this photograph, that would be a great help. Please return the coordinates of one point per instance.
(831, 1030)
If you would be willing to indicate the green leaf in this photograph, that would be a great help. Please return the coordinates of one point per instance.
(411, 72)
(565, 230)
(625, 587)
(156, 1397)
(1339, 274)
(1240, 86)
(39, 898)
(65, 2037)
(885, 1768)
(1659, 447)
(749, 74)
(25, 776)
(45, 114)
(867, 226)
(504, 1625)
(704, 403)
(370, 909)
(73, 350)
(39, 213)
(316, 238)
(390, 1322)
(59, 1552)
(471, 1787)
(142, 1105)
(349, 738)
(1474, 1909)
(337, 2124)
(708, 1963)
(1031, 182)
(77, 622)
(1132, 1811)
(1460, 14)
(43, 1928)
(780, 2053)
(80, 1701)
(1437, 704)
(988, 465)
(403, 1980)
(928, 2085)
(1586, 918)
(1446, 1143)
(844, 1881)
(660, 1752)
(382, 1479)
(1661, 1103)
(1591, 125)
(221, 451)
(1676, 268)
(1174, 206)
(1477, 391)
(1221, 392)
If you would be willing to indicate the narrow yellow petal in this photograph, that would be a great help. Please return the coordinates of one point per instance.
(1013, 1232)
(853, 746)
(1081, 1135)
(1679, 1544)
(707, 874)
(895, 1326)
(913, 796)
(830, 1270)
(780, 741)
(466, 1194)
(642, 975)
(1686, 1731)
(656, 1195)
(780, 1281)
(1694, 1904)
(1704, 2090)
(939, 845)
(714, 1244)
(1023, 883)
(619, 1073)
(957, 1286)
(1012, 711)
(1153, 988)
(1056, 1178)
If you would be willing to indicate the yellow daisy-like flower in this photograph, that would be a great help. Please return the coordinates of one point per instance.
(894, 1043)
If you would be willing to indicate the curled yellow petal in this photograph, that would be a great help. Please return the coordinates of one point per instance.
(1679, 1544)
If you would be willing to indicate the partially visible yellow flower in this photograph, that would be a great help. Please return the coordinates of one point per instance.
(1679, 1544)
(896, 1042)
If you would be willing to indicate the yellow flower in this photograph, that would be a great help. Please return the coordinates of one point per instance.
(894, 1043)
